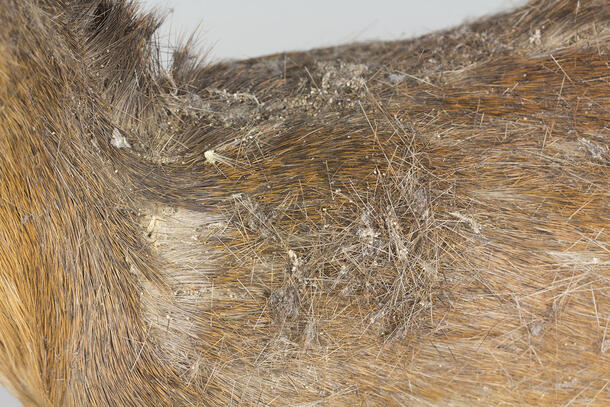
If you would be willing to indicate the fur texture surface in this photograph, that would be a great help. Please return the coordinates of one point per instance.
(421, 222)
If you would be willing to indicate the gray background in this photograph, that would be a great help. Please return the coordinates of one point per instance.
(246, 28)
(234, 29)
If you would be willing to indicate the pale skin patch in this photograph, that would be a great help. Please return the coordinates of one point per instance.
(179, 239)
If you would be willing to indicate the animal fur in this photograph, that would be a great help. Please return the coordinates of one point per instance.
(420, 222)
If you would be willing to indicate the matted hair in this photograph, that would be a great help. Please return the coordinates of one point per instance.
(419, 222)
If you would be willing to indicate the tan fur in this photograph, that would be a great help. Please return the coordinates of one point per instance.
(421, 222)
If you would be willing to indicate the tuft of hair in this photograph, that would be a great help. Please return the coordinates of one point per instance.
(420, 222)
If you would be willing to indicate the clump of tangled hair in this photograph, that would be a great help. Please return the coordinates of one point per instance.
(420, 222)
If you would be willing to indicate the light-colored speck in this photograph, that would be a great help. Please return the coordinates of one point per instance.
(118, 140)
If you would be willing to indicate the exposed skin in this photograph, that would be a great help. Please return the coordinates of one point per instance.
(420, 222)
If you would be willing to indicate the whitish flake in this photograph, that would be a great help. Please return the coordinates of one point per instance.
(118, 140)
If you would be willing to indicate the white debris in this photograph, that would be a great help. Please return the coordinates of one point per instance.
(475, 226)
(210, 156)
(118, 140)
(536, 38)
(396, 77)
(294, 260)
(595, 150)
(536, 328)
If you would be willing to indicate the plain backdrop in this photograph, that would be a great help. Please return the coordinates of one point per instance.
(235, 29)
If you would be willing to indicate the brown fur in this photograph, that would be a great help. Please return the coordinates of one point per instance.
(420, 222)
